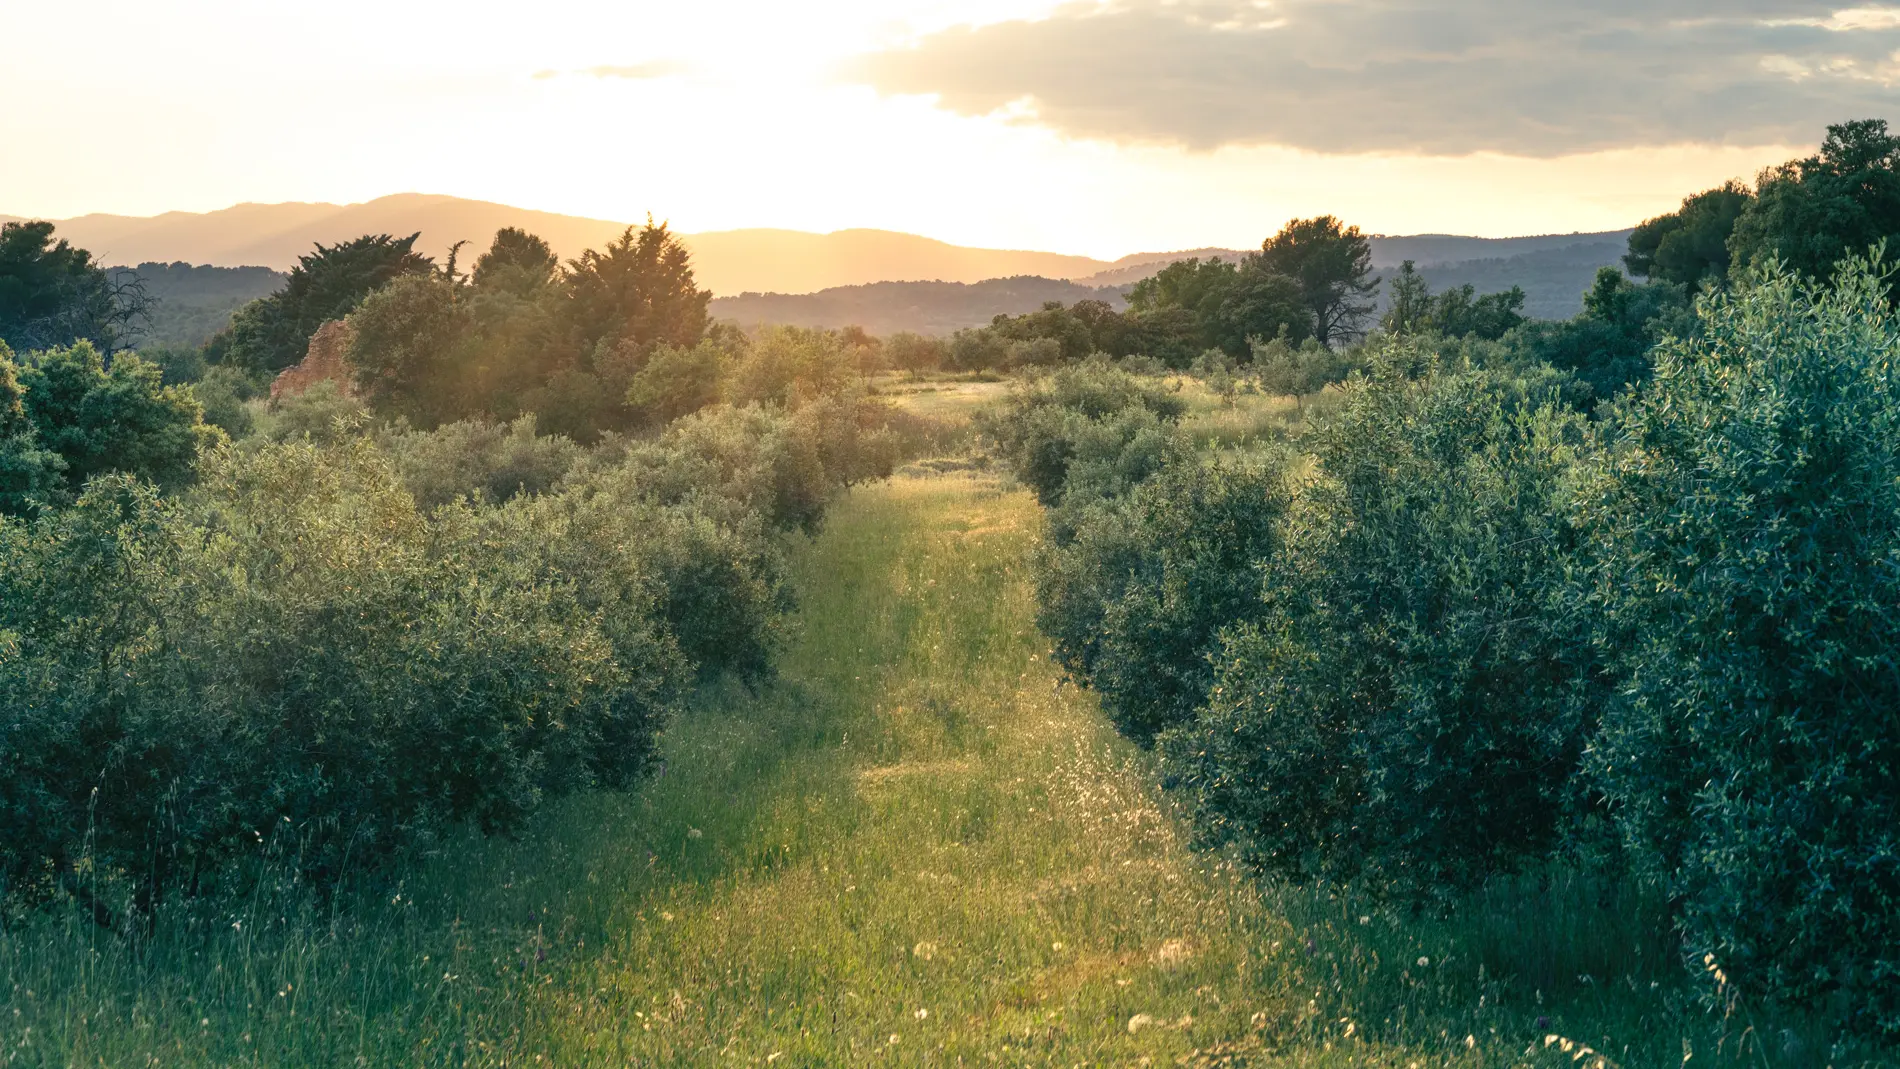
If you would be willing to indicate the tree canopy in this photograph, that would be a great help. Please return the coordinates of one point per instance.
(1457, 312)
(69, 414)
(272, 333)
(639, 289)
(1691, 244)
(1332, 263)
(52, 294)
(1810, 213)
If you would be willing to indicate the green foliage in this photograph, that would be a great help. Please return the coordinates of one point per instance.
(488, 462)
(1189, 284)
(1088, 427)
(1840, 202)
(1747, 517)
(676, 382)
(362, 643)
(1138, 597)
(1403, 703)
(1331, 264)
(1458, 312)
(29, 473)
(1259, 303)
(321, 413)
(223, 392)
(1298, 371)
(1190, 306)
(914, 352)
(407, 347)
(517, 260)
(273, 332)
(53, 295)
(517, 339)
(1691, 245)
(1608, 346)
(788, 365)
(1070, 333)
(639, 290)
(97, 417)
(294, 649)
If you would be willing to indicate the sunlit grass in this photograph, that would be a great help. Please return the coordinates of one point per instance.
(918, 847)
(953, 399)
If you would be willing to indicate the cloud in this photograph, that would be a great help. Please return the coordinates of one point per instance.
(658, 68)
(1443, 77)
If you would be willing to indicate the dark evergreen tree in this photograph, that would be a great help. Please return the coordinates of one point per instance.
(52, 294)
(1332, 263)
(274, 332)
(1690, 244)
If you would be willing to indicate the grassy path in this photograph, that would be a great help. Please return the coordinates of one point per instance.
(917, 848)
(937, 854)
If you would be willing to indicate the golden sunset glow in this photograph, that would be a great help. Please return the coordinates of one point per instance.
(712, 116)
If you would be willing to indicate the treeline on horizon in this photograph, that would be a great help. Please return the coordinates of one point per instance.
(1464, 627)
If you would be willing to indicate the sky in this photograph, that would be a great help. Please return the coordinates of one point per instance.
(1099, 127)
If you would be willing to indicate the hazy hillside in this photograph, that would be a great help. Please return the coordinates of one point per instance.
(1426, 249)
(1132, 269)
(193, 303)
(1554, 279)
(921, 307)
(727, 262)
(730, 262)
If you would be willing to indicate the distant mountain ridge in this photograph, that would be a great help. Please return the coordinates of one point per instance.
(885, 308)
(730, 263)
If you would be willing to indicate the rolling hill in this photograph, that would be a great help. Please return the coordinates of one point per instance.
(729, 263)
(726, 262)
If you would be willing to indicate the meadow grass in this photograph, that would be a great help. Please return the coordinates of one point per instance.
(919, 846)
(948, 397)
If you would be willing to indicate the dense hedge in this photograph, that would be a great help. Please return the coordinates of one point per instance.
(1748, 515)
(1480, 624)
(296, 650)
(1138, 599)
(1089, 428)
(1403, 703)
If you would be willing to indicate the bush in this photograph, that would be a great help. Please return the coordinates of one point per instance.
(1137, 599)
(1297, 371)
(1106, 424)
(675, 383)
(488, 462)
(1749, 518)
(293, 648)
(96, 417)
(1406, 705)
(322, 413)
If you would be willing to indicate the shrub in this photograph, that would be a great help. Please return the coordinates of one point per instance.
(675, 383)
(322, 413)
(1749, 518)
(294, 648)
(98, 416)
(1105, 423)
(489, 462)
(1137, 599)
(1406, 705)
